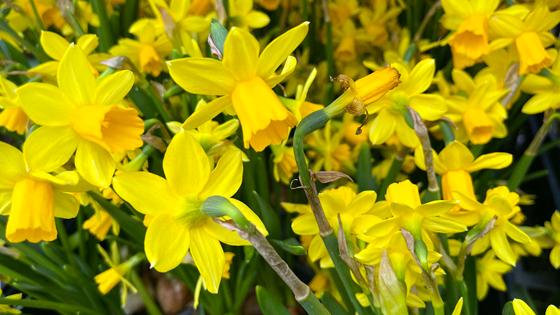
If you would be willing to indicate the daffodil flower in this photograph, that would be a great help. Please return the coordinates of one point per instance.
(245, 79)
(476, 108)
(529, 33)
(389, 109)
(469, 21)
(455, 163)
(500, 204)
(82, 115)
(177, 224)
(343, 202)
(521, 308)
(12, 116)
(242, 14)
(31, 196)
(149, 50)
(489, 273)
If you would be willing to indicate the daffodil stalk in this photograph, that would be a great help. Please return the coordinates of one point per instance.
(217, 207)
(532, 151)
(105, 31)
(433, 192)
(68, 11)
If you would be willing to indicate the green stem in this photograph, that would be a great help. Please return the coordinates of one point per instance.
(104, 31)
(36, 15)
(48, 305)
(447, 131)
(151, 306)
(309, 124)
(329, 50)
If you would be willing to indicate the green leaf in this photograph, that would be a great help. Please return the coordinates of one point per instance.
(269, 304)
(508, 309)
(269, 216)
(364, 177)
(332, 304)
(290, 245)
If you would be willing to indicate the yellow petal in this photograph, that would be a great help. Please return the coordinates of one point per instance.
(521, 308)
(435, 207)
(166, 243)
(362, 203)
(201, 76)
(552, 310)
(555, 256)
(45, 104)
(48, 148)
(226, 178)
(186, 165)
(146, 192)
(443, 225)
(516, 233)
(241, 53)
(456, 156)
(13, 165)
(88, 43)
(382, 127)
(48, 68)
(458, 307)
(113, 88)
(53, 44)
(405, 193)
(497, 160)
(541, 102)
(305, 225)
(249, 215)
(74, 76)
(206, 112)
(224, 235)
(94, 163)
(257, 19)
(5, 202)
(275, 53)
(501, 246)
(429, 106)
(66, 206)
(208, 257)
(420, 78)
(466, 202)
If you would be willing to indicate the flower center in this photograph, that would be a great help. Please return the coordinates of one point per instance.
(532, 54)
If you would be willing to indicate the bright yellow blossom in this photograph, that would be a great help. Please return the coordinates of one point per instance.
(341, 201)
(455, 163)
(528, 33)
(390, 108)
(469, 22)
(489, 273)
(148, 52)
(521, 308)
(245, 79)
(500, 204)
(177, 224)
(83, 115)
(476, 110)
(31, 196)
(12, 116)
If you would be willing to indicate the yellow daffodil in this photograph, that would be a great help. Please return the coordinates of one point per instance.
(549, 237)
(552, 310)
(529, 33)
(245, 79)
(47, 11)
(55, 46)
(341, 201)
(177, 224)
(83, 115)
(545, 90)
(476, 109)
(12, 116)
(241, 14)
(489, 273)
(148, 52)
(31, 196)
(455, 163)
(182, 16)
(376, 20)
(409, 213)
(327, 150)
(500, 204)
(469, 22)
(389, 109)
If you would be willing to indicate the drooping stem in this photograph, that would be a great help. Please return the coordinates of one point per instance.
(433, 192)
(217, 206)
